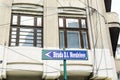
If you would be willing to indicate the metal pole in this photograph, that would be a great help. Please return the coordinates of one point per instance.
(64, 68)
(65, 71)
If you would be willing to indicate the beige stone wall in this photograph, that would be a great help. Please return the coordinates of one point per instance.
(117, 62)
(99, 28)
(5, 14)
(51, 37)
(51, 33)
(112, 17)
(51, 25)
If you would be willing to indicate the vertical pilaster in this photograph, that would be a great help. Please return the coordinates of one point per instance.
(5, 17)
(51, 38)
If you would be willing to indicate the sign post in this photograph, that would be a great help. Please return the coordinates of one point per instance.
(64, 55)
(65, 70)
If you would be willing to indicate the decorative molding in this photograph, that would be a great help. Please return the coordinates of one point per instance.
(72, 10)
(25, 7)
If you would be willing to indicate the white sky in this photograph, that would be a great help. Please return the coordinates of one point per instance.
(116, 8)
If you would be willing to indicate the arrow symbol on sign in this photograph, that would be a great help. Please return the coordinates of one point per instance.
(48, 54)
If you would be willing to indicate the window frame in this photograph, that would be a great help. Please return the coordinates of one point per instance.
(35, 27)
(80, 29)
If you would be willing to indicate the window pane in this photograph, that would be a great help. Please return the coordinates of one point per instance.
(39, 45)
(39, 30)
(28, 37)
(83, 23)
(61, 39)
(39, 34)
(72, 23)
(39, 41)
(60, 22)
(26, 41)
(25, 44)
(27, 20)
(119, 39)
(14, 19)
(26, 30)
(13, 44)
(13, 36)
(38, 37)
(73, 39)
(39, 21)
(13, 40)
(14, 29)
(118, 52)
(27, 33)
(85, 39)
(13, 32)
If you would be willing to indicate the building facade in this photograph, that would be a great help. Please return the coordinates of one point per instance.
(29, 26)
(118, 57)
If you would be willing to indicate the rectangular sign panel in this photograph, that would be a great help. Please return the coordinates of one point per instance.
(64, 55)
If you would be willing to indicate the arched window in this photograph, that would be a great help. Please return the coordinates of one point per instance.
(73, 29)
(26, 27)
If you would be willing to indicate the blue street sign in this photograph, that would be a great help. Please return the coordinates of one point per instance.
(64, 55)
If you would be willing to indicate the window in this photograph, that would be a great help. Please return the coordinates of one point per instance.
(73, 33)
(118, 48)
(118, 75)
(26, 30)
